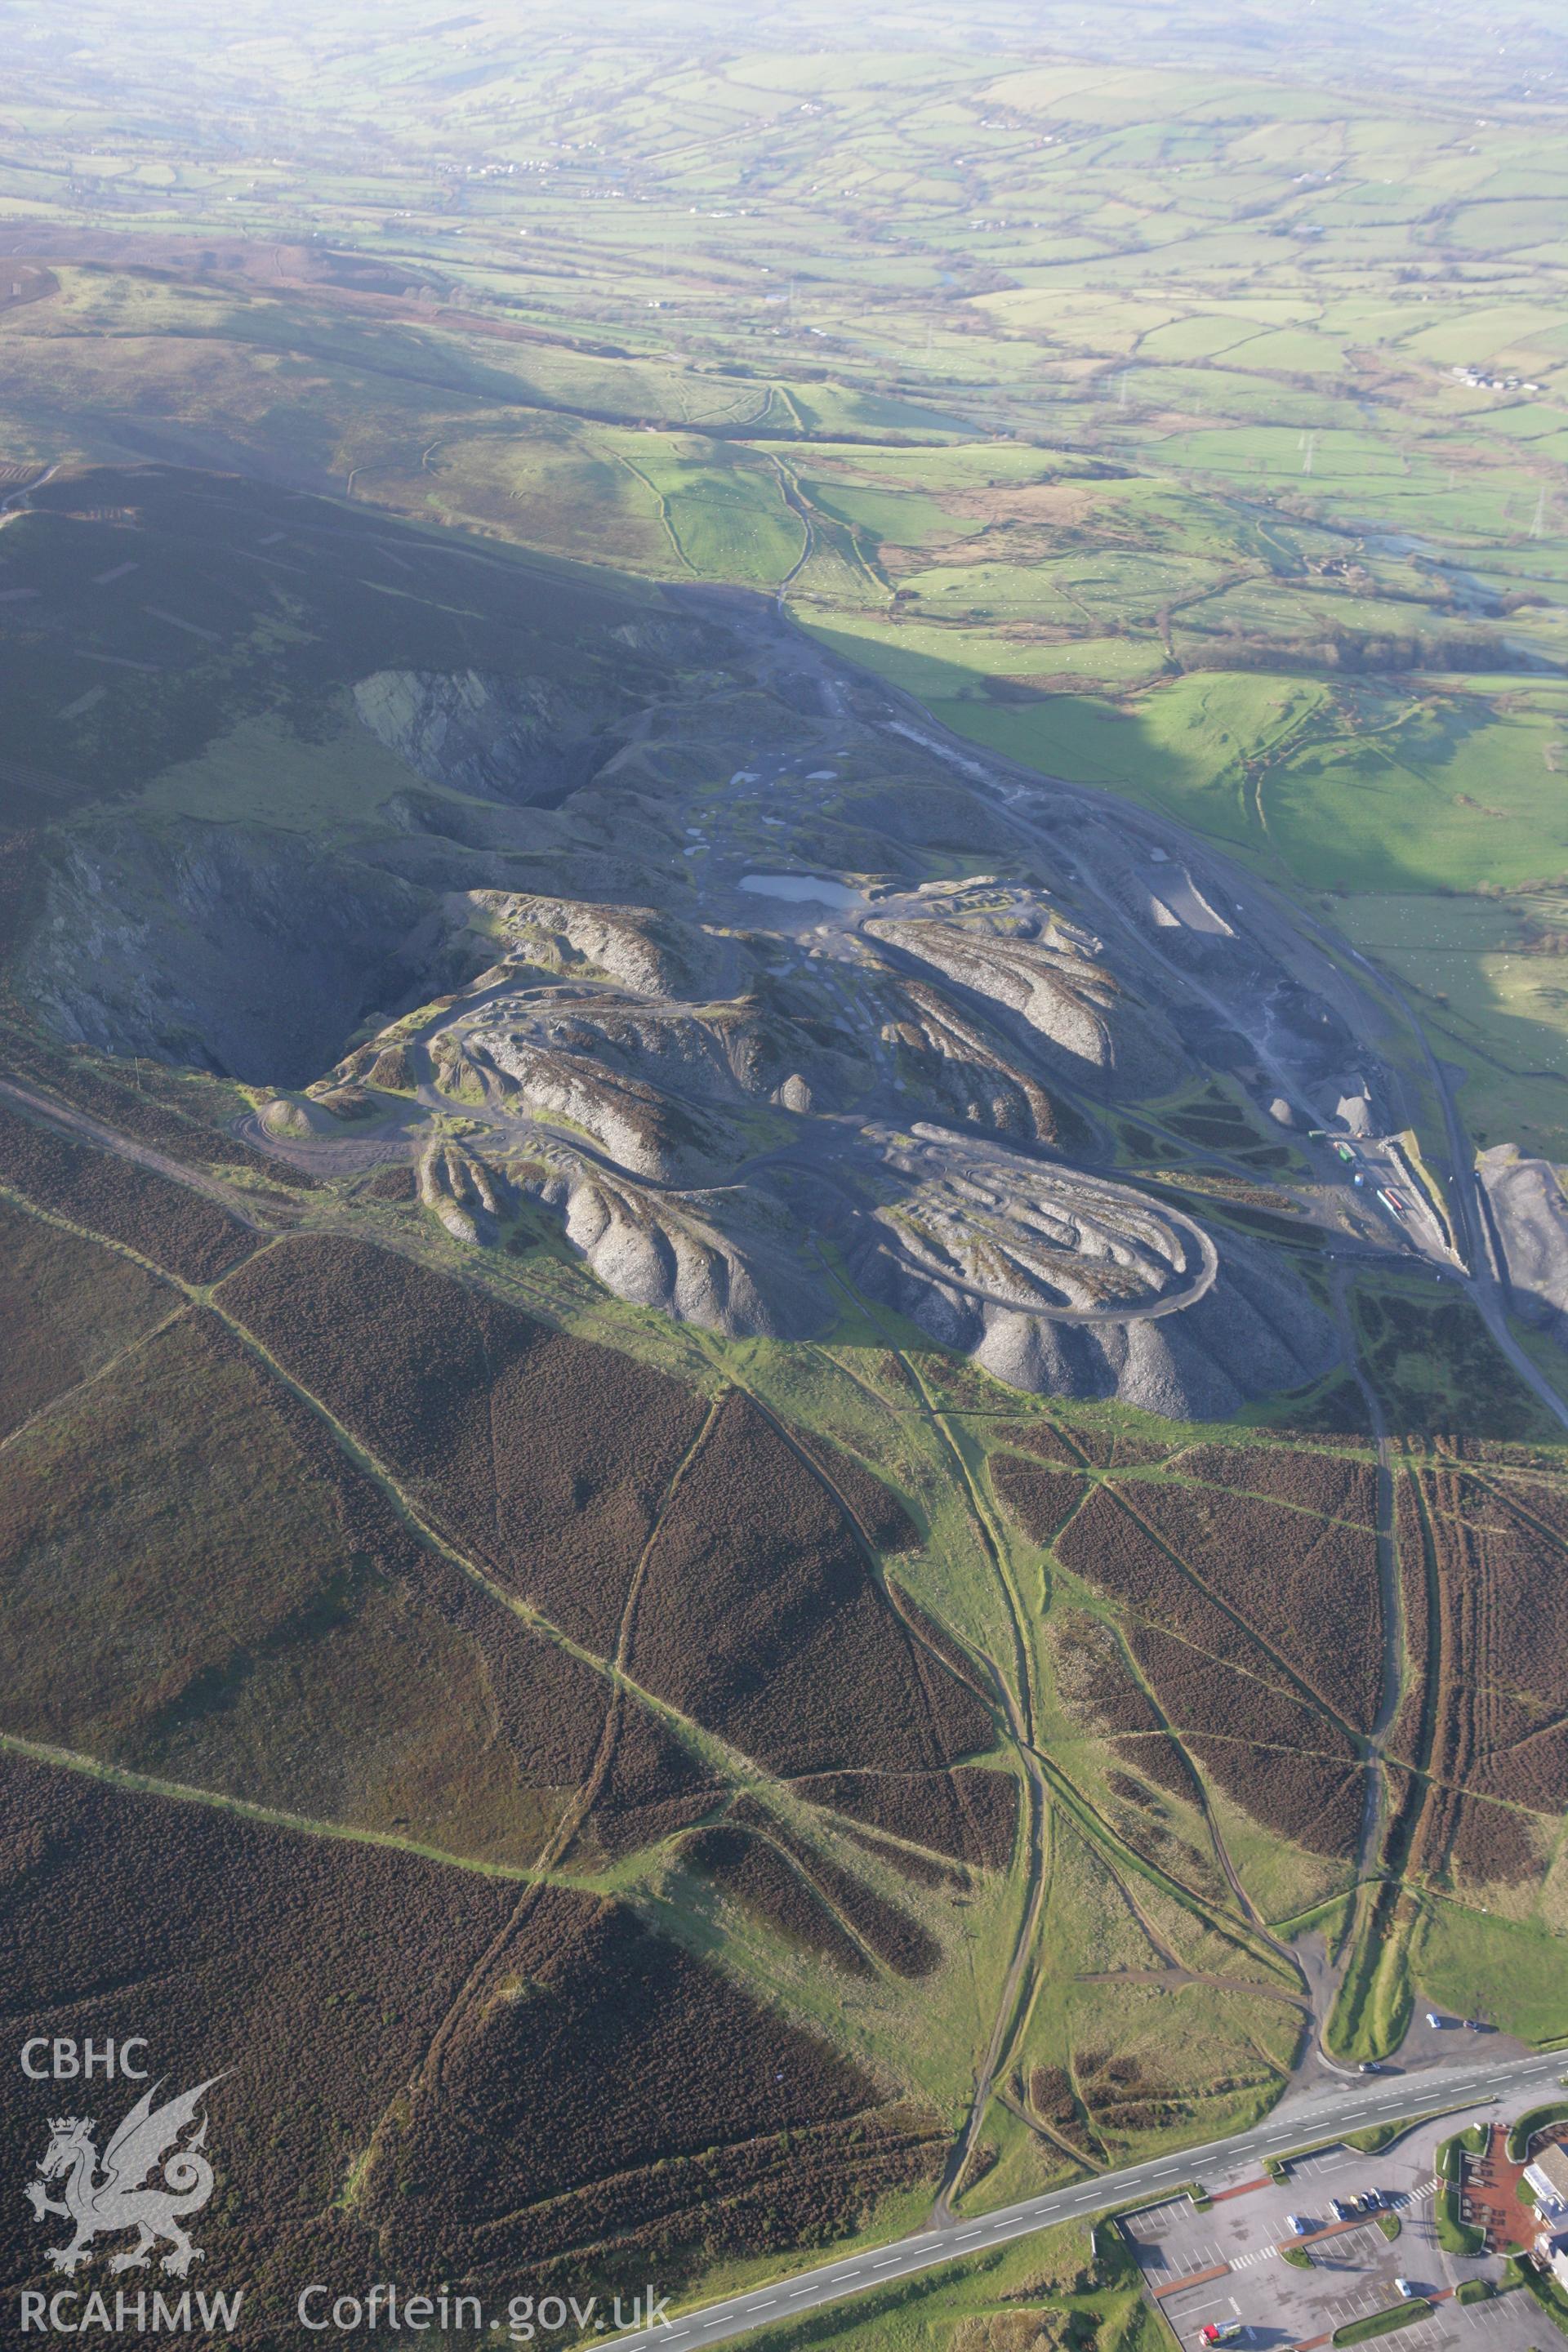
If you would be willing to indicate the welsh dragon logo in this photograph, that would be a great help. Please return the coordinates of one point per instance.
(104, 2197)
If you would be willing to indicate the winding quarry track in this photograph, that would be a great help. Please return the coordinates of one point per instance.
(1000, 778)
(1140, 1310)
(1346, 2105)
(1304, 2116)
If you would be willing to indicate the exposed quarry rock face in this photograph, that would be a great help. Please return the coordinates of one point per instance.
(1163, 1321)
(726, 1261)
(657, 954)
(730, 1052)
(1071, 1284)
(464, 1192)
(1078, 1009)
(227, 947)
(1254, 1330)
(700, 1115)
(708, 1087)
(649, 1133)
(523, 741)
(1054, 1285)
(1165, 898)
(1018, 1232)
(959, 1067)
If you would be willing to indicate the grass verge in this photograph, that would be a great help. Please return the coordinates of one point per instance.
(1527, 2126)
(1456, 2235)
(1383, 2323)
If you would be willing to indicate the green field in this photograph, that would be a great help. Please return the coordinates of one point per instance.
(1194, 503)
(1175, 403)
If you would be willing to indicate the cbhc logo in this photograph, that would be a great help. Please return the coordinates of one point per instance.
(66, 2061)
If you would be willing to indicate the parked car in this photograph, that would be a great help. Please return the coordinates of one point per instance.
(1407, 2289)
(1300, 2225)
(1373, 2066)
(1230, 2332)
(1342, 2212)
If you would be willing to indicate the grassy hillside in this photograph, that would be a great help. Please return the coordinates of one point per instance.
(576, 1696)
(1198, 432)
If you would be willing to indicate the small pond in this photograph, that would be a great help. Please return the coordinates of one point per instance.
(806, 888)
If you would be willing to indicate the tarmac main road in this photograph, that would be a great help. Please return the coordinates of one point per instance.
(1302, 2123)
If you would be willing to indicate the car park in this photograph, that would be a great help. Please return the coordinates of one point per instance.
(1222, 2264)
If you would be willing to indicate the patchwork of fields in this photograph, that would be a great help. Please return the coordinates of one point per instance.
(515, 1616)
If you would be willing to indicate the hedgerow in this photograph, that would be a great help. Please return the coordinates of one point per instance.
(1109, 1549)
(1335, 1486)
(550, 1708)
(504, 2083)
(309, 1973)
(191, 1554)
(1405, 1734)
(1042, 1438)
(909, 1864)
(1122, 2096)
(395, 1183)
(590, 2097)
(1492, 1842)
(875, 1506)
(153, 1107)
(1095, 1680)
(1285, 1764)
(1497, 1714)
(1054, 2100)
(930, 1636)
